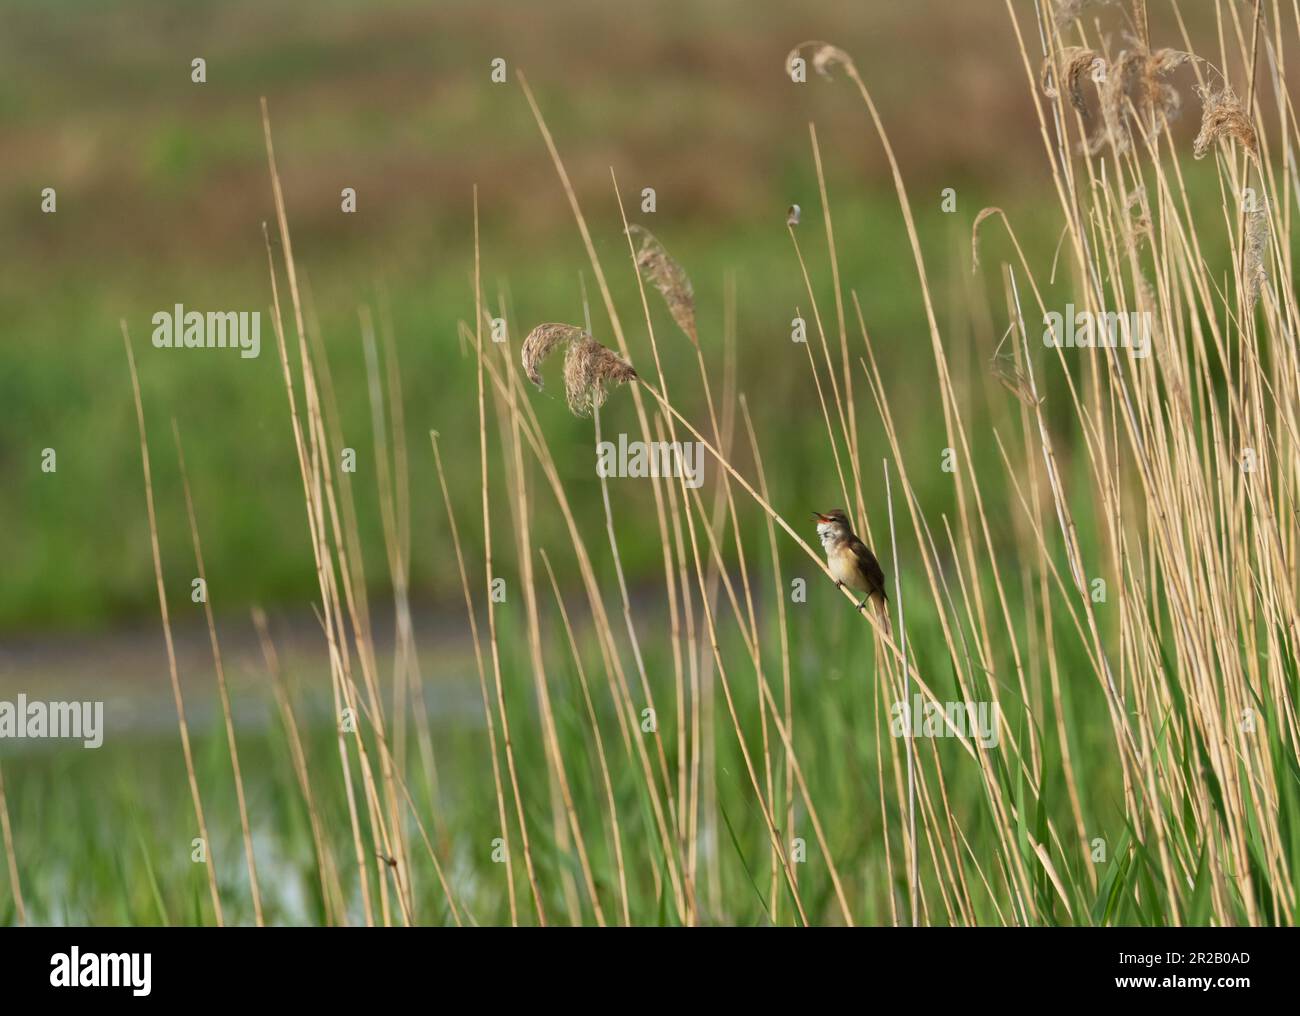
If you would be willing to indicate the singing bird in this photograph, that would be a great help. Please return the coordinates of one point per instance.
(849, 559)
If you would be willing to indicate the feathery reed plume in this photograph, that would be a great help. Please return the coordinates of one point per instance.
(670, 278)
(589, 367)
(1075, 63)
(1257, 234)
(824, 57)
(1135, 76)
(792, 215)
(1120, 84)
(541, 342)
(1222, 116)
(1068, 11)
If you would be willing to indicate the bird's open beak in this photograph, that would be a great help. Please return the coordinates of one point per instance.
(819, 516)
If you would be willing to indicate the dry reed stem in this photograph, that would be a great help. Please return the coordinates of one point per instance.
(960, 660)
(948, 404)
(331, 892)
(953, 426)
(391, 856)
(764, 806)
(956, 734)
(812, 363)
(307, 461)
(390, 478)
(11, 856)
(851, 425)
(642, 418)
(1066, 523)
(1205, 595)
(787, 703)
(914, 877)
(488, 579)
(511, 390)
(481, 670)
(616, 835)
(771, 703)
(676, 815)
(729, 400)
(532, 432)
(195, 797)
(319, 495)
(670, 278)
(558, 778)
(384, 469)
(1001, 808)
(1198, 604)
(701, 688)
(686, 815)
(223, 691)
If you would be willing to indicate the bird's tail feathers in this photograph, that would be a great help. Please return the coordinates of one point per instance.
(879, 601)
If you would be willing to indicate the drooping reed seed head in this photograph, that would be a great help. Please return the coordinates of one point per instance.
(1068, 11)
(539, 344)
(824, 57)
(663, 272)
(1222, 116)
(1077, 63)
(589, 368)
(1131, 86)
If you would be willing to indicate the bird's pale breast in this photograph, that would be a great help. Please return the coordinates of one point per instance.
(844, 566)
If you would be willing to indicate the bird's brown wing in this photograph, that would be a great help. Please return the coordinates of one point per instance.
(870, 567)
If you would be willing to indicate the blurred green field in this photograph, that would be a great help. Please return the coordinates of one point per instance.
(163, 197)
(162, 189)
(106, 834)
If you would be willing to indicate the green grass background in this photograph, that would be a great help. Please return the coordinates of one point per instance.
(162, 188)
(162, 192)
